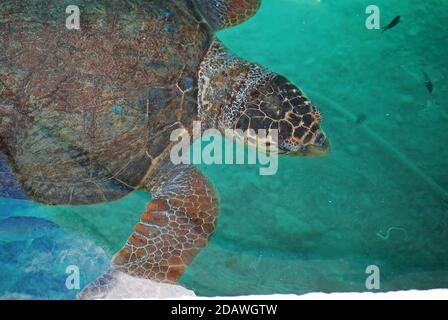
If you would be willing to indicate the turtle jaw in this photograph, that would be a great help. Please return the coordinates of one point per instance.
(313, 150)
(320, 148)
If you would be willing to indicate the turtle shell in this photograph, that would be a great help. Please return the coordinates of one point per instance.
(95, 106)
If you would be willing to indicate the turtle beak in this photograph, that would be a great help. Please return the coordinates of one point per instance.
(321, 147)
(315, 150)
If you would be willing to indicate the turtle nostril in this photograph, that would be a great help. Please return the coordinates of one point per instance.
(320, 139)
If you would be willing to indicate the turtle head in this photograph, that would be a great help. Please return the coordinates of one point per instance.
(277, 104)
(235, 94)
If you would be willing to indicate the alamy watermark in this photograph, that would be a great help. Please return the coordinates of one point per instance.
(373, 280)
(228, 149)
(73, 20)
(373, 20)
(72, 282)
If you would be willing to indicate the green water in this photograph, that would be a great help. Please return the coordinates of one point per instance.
(318, 223)
(314, 226)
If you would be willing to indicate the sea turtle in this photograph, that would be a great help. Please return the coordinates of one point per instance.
(86, 115)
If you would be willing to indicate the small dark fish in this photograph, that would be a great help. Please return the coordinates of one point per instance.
(361, 118)
(392, 24)
(428, 83)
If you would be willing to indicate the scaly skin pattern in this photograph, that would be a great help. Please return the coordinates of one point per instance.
(96, 106)
(241, 95)
(176, 224)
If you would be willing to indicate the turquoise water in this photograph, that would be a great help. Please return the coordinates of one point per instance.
(380, 198)
(317, 224)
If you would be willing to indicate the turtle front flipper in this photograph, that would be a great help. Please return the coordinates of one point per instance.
(227, 13)
(176, 225)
